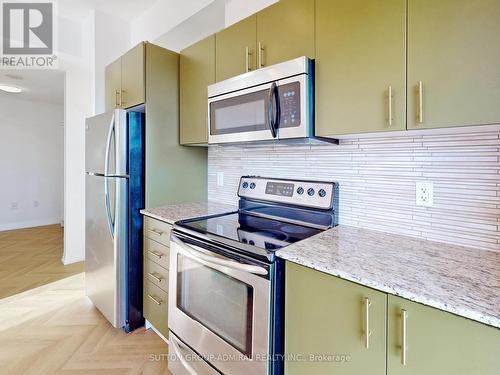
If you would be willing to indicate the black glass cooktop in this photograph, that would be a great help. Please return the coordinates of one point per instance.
(251, 230)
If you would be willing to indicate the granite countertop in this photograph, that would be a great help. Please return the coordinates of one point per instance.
(175, 212)
(461, 280)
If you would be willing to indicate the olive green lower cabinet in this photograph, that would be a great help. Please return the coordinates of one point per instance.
(325, 325)
(438, 343)
(325, 332)
(156, 263)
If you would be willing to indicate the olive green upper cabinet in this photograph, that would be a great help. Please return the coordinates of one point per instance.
(437, 342)
(113, 84)
(285, 31)
(236, 49)
(453, 63)
(133, 82)
(360, 66)
(125, 81)
(326, 325)
(197, 71)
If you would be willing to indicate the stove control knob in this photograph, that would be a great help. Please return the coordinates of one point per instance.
(244, 185)
(310, 192)
(300, 190)
(322, 193)
(252, 185)
(251, 242)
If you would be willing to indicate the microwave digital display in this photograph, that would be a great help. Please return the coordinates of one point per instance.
(281, 189)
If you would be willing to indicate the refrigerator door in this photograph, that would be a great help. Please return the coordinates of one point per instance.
(106, 213)
(106, 144)
(106, 250)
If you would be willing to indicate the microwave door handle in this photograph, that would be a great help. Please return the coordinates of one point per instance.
(209, 260)
(271, 120)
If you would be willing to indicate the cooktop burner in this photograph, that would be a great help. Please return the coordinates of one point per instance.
(261, 232)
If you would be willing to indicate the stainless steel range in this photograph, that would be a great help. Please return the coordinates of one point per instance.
(226, 285)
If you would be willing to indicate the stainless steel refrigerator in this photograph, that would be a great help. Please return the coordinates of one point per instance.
(114, 195)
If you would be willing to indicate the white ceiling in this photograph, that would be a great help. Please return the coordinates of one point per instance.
(125, 9)
(37, 85)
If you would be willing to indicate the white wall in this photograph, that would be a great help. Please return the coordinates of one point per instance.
(112, 39)
(79, 104)
(31, 163)
(236, 10)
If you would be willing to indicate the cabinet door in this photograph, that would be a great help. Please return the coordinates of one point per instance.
(113, 84)
(236, 49)
(360, 59)
(325, 325)
(285, 31)
(438, 342)
(133, 87)
(454, 50)
(197, 71)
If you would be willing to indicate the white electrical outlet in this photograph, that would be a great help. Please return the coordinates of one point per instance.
(424, 194)
(220, 178)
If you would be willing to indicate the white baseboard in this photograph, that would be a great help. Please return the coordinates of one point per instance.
(71, 261)
(30, 224)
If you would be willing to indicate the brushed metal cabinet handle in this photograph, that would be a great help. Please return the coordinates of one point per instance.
(117, 100)
(157, 231)
(420, 100)
(157, 278)
(156, 254)
(155, 300)
(122, 95)
(248, 55)
(389, 106)
(367, 323)
(261, 52)
(404, 336)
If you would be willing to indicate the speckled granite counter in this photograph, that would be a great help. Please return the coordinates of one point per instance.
(452, 278)
(174, 212)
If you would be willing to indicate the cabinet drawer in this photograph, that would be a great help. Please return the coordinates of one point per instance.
(156, 274)
(157, 230)
(156, 252)
(156, 307)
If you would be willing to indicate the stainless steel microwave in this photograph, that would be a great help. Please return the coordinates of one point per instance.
(272, 103)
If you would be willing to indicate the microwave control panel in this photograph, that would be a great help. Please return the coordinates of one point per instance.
(290, 105)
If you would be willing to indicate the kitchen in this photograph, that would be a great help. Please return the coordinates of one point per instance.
(313, 189)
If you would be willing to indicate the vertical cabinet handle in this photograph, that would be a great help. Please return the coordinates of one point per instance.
(261, 52)
(389, 106)
(117, 98)
(122, 102)
(420, 104)
(404, 336)
(248, 55)
(367, 323)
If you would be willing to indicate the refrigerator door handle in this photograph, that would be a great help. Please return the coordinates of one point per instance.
(111, 224)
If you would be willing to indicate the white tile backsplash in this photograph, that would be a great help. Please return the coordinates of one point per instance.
(377, 178)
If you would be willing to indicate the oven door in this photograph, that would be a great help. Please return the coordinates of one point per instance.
(220, 307)
(275, 110)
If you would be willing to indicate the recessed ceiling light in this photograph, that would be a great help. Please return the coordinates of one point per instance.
(11, 89)
(14, 76)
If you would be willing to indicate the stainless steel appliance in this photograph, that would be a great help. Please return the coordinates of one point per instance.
(114, 194)
(274, 102)
(226, 285)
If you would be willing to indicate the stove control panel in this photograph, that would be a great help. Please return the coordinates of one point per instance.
(314, 194)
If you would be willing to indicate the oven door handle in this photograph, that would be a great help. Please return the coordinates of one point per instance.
(209, 260)
(179, 355)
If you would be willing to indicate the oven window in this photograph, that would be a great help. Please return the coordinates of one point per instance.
(217, 301)
(242, 113)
